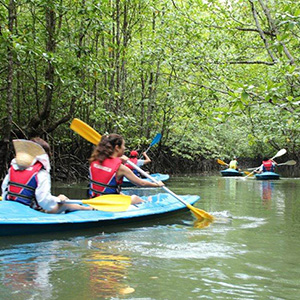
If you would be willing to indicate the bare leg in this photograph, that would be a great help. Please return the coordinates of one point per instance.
(136, 199)
(63, 207)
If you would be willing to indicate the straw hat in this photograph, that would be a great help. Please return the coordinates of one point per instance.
(26, 152)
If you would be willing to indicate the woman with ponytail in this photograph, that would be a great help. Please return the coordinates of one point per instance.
(107, 168)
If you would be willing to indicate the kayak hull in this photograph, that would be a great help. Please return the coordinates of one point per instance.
(231, 173)
(156, 176)
(267, 176)
(18, 219)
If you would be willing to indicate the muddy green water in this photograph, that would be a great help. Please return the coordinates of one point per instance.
(251, 252)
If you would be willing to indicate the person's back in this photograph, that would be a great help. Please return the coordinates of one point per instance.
(268, 165)
(28, 180)
(233, 164)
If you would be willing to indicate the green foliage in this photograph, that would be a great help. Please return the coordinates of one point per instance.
(204, 73)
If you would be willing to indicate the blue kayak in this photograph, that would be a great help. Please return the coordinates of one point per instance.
(19, 219)
(267, 176)
(157, 176)
(231, 172)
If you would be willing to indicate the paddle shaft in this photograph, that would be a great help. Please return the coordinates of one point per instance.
(155, 181)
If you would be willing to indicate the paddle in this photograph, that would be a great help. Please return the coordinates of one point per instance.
(247, 173)
(287, 163)
(154, 141)
(87, 132)
(111, 202)
(199, 213)
(221, 162)
(279, 153)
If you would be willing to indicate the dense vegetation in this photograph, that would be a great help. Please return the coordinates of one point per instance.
(215, 77)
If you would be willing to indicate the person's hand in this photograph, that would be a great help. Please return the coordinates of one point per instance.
(62, 197)
(160, 183)
(124, 158)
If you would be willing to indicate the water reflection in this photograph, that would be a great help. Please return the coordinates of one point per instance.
(30, 271)
(266, 193)
(202, 223)
(107, 273)
(26, 271)
(230, 186)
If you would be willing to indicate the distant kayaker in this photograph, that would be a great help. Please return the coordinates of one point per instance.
(234, 164)
(107, 169)
(139, 162)
(28, 180)
(268, 165)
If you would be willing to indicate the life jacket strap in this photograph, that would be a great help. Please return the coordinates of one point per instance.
(19, 195)
(102, 184)
(30, 188)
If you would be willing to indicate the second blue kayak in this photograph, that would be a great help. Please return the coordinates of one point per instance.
(157, 176)
(231, 172)
(267, 176)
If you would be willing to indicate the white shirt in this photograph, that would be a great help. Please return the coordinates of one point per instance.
(140, 162)
(43, 190)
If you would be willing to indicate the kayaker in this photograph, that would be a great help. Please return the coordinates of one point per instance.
(107, 168)
(139, 162)
(28, 180)
(268, 165)
(234, 164)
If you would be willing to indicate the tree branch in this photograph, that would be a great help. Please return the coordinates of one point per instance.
(275, 30)
(261, 33)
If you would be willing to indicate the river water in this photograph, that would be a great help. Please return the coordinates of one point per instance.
(252, 251)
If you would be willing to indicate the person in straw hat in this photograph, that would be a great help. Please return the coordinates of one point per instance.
(28, 180)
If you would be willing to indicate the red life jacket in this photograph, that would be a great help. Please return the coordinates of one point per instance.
(268, 166)
(103, 177)
(22, 185)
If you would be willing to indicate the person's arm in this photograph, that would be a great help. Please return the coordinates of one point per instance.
(147, 158)
(43, 192)
(125, 171)
(4, 187)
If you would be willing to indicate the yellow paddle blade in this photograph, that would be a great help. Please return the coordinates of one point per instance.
(200, 214)
(105, 203)
(86, 131)
(202, 223)
(221, 162)
(114, 202)
(248, 173)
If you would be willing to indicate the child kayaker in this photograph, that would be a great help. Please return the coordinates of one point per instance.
(139, 162)
(107, 169)
(28, 180)
(268, 165)
(234, 164)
